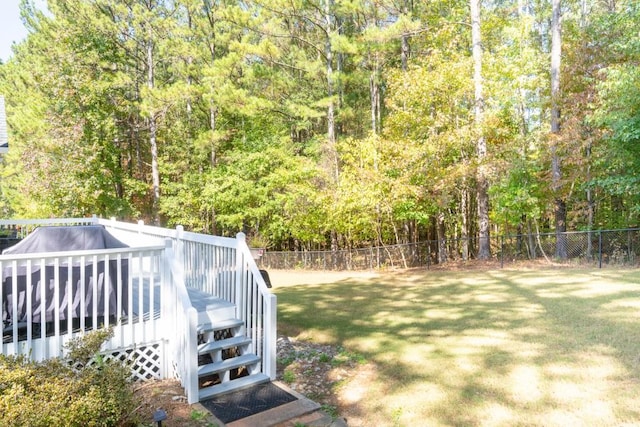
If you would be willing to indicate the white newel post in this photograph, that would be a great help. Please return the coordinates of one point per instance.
(239, 290)
(192, 356)
(179, 249)
(168, 310)
(140, 227)
(271, 339)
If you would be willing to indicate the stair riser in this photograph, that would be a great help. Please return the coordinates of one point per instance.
(218, 355)
(235, 325)
(216, 315)
(251, 362)
(242, 343)
(231, 386)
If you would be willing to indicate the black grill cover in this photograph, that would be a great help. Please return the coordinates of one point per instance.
(74, 238)
(57, 239)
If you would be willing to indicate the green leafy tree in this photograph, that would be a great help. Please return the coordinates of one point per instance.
(66, 158)
(619, 119)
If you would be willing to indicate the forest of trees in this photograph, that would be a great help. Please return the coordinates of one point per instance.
(326, 124)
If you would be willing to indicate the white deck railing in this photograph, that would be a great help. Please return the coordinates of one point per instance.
(161, 264)
(48, 298)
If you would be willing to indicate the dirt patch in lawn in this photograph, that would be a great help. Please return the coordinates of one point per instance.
(168, 396)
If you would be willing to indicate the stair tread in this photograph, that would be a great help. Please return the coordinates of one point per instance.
(217, 326)
(223, 344)
(203, 301)
(227, 364)
(233, 385)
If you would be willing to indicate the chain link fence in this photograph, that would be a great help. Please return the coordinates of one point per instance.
(590, 248)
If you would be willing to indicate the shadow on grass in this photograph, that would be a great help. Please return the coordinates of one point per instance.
(476, 348)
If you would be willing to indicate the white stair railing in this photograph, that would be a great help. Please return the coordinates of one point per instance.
(181, 323)
(256, 305)
(223, 267)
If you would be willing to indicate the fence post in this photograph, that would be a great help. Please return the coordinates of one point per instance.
(600, 249)
(502, 251)
(428, 254)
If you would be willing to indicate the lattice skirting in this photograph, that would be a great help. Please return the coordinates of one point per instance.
(145, 360)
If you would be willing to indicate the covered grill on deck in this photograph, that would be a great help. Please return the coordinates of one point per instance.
(94, 285)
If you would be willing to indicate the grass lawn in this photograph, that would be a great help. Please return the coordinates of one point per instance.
(557, 347)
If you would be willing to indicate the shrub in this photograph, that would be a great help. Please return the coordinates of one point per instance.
(82, 390)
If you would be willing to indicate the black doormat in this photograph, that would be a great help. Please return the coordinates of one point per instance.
(244, 403)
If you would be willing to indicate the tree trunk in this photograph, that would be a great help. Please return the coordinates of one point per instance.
(532, 242)
(590, 203)
(189, 64)
(404, 53)
(334, 249)
(153, 130)
(212, 126)
(340, 68)
(331, 120)
(556, 172)
(405, 48)
(584, 13)
(372, 98)
(484, 248)
(442, 241)
(374, 95)
(464, 232)
(213, 111)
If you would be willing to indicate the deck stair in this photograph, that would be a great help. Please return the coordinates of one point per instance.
(226, 361)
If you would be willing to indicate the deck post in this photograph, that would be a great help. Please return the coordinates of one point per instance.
(239, 291)
(192, 357)
(167, 305)
(271, 338)
(179, 249)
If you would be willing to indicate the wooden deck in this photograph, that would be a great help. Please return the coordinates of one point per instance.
(153, 292)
